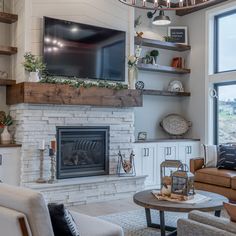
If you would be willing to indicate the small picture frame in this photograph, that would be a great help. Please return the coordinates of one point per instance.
(142, 136)
(178, 34)
(1, 5)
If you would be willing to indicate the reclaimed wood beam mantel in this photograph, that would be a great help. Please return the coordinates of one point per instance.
(42, 93)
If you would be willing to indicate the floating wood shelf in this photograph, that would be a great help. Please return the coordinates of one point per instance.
(8, 18)
(9, 145)
(5, 50)
(42, 93)
(4, 82)
(165, 93)
(164, 69)
(163, 45)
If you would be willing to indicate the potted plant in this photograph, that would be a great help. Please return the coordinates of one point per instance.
(154, 54)
(34, 66)
(5, 122)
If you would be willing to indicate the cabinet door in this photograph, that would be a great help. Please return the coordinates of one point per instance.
(148, 164)
(188, 150)
(145, 162)
(168, 151)
(10, 168)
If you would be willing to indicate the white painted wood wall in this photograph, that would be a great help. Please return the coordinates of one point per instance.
(29, 30)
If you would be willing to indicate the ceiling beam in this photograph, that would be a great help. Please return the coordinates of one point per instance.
(198, 8)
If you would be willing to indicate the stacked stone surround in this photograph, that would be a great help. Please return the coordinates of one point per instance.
(34, 123)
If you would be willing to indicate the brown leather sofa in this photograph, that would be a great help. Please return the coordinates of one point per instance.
(214, 180)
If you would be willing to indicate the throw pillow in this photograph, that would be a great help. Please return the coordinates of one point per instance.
(231, 210)
(227, 157)
(62, 221)
(210, 155)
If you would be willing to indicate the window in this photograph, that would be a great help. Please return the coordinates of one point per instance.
(225, 113)
(225, 42)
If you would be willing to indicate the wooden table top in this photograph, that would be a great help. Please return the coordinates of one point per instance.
(147, 200)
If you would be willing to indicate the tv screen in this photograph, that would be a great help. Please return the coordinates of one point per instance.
(84, 51)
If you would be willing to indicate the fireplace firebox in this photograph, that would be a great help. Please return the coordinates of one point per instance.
(82, 151)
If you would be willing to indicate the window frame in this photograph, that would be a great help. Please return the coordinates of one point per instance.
(216, 109)
(216, 40)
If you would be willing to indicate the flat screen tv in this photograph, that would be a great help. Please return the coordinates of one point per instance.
(83, 51)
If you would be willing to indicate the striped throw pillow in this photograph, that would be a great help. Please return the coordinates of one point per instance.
(71, 223)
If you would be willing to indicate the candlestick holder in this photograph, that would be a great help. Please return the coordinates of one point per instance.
(52, 155)
(41, 179)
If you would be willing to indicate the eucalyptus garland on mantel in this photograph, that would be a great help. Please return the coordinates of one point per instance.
(78, 83)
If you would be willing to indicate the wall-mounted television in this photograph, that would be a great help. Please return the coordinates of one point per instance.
(88, 52)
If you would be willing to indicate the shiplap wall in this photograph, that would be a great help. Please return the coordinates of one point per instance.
(5, 61)
(104, 13)
(19, 38)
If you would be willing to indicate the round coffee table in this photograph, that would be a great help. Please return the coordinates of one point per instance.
(147, 200)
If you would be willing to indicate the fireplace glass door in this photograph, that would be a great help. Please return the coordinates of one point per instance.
(82, 151)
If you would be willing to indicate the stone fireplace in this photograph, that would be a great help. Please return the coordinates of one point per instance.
(34, 123)
(82, 151)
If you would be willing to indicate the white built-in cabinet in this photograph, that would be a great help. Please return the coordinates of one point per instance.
(10, 165)
(149, 156)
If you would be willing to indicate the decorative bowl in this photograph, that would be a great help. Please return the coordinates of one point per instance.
(175, 125)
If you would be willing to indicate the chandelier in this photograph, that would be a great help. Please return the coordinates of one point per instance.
(165, 4)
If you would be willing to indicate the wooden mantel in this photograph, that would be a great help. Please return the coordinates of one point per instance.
(42, 93)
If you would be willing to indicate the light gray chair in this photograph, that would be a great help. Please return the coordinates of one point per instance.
(23, 212)
(205, 224)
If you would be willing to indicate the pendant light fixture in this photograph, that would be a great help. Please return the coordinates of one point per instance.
(166, 4)
(159, 20)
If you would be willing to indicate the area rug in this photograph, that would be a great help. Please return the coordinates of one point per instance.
(134, 222)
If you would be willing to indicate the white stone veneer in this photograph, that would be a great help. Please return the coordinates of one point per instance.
(33, 123)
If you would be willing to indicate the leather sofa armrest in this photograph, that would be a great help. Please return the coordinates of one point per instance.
(196, 164)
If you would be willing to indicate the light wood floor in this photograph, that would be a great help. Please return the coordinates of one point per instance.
(106, 208)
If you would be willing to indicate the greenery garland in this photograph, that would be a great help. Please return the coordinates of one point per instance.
(78, 83)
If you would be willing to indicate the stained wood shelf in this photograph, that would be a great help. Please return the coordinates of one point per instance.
(165, 93)
(161, 44)
(8, 18)
(43, 93)
(164, 69)
(4, 82)
(5, 50)
(13, 145)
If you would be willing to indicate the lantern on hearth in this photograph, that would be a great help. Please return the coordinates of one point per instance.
(183, 182)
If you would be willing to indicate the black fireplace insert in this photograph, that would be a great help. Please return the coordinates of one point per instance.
(82, 151)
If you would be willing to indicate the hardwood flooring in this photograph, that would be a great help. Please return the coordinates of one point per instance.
(106, 208)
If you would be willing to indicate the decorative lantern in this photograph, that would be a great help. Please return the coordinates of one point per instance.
(167, 167)
(183, 182)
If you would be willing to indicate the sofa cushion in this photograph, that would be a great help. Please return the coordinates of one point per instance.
(62, 222)
(9, 222)
(217, 222)
(92, 226)
(227, 157)
(31, 204)
(218, 177)
(231, 210)
(210, 155)
(233, 183)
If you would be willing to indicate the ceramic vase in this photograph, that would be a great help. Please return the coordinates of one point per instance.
(5, 136)
(132, 77)
(34, 77)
